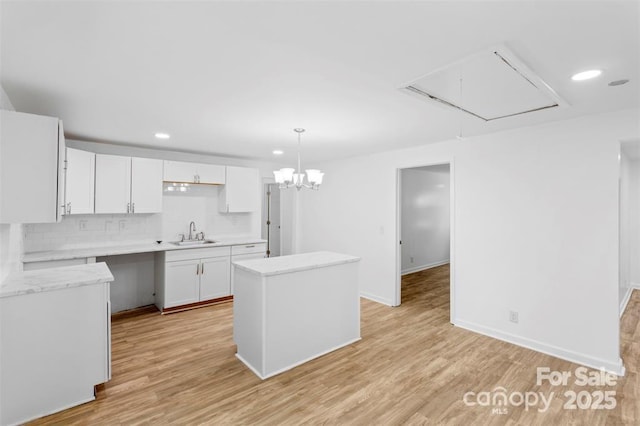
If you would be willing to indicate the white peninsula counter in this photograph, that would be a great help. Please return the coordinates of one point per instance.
(291, 309)
(55, 339)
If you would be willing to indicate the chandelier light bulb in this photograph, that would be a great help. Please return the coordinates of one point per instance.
(289, 177)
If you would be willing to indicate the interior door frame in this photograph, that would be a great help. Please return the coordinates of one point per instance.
(269, 181)
(452, 253)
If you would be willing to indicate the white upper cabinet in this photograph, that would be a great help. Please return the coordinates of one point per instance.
(210, 173)
(128, 185)
(240, 192)
(181, 171)
(113, 184)
(31, 170)
(146, 185)
(79, 195)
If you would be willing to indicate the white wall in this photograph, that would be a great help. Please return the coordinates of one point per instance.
(200, 204)
(5, 102)
(535, 230)
(425, 217)
(133, 285)
(10, 249)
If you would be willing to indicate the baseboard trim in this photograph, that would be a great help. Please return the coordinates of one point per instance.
(424, 267)
(294, 365)
(56, 410)
(377, 299)
(616, 367)
(635, 286)
(201, 304)
(625, 300)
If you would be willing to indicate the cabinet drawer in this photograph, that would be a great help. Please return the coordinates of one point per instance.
(197, 253)
(249, 248)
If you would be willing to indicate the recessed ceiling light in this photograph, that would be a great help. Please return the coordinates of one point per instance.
(618, 82)
(277, 152)
(162, 135)
(586, 75)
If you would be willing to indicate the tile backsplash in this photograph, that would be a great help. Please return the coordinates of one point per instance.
(199, 204)
(92, 230)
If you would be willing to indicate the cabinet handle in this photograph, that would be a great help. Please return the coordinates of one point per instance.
(198, 269)
(249, 246)
(202, 269)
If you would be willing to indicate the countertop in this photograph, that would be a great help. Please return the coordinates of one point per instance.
(50, 279)
(294, 263)
(114, 250)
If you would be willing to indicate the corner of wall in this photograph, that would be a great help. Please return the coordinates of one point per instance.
(5, 102)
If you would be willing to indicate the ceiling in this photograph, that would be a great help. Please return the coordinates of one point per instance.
(234, 78)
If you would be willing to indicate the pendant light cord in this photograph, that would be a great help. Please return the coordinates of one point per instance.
(299, 146)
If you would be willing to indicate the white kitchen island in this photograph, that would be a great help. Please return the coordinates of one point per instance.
(291, 309)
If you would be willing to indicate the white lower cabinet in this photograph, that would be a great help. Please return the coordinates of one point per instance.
(184, 277)
(215, 279)
(182, 283)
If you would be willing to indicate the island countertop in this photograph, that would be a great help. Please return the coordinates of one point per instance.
(294, 263)
(55, 279)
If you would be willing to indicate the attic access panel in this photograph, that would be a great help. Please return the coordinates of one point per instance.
(489, 85)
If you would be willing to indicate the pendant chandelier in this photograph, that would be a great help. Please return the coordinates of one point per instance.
(288, 177)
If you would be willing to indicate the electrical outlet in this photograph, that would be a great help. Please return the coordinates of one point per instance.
(82, 225)
(411, 259)
(108, 225)
(122, 225)
(513, 316)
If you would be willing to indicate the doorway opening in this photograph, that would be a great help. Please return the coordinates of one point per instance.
(629, 244)
(425, 229)
(271, 225)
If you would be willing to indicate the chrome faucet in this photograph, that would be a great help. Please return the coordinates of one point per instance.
(192, 228)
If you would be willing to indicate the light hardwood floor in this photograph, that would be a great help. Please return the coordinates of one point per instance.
(411, 367)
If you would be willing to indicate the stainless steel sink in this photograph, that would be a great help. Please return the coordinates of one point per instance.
(193, 242)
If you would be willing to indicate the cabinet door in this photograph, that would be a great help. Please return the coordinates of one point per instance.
(210, 173)
(240, 192)
(113, 184)
(179, 171)
(80, 181)
(29, 155)
(146, 185)
(215, 278)
(181, 283)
